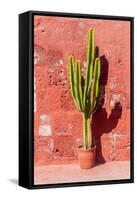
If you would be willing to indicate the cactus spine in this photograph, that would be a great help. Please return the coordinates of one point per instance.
(88, 96)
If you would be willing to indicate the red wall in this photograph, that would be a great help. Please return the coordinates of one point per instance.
(57, 123)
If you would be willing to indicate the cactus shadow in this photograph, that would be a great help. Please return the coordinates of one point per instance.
(102, 122)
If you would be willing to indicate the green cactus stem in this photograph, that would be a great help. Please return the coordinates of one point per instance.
(86, 98)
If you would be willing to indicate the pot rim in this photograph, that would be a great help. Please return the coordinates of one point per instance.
(80, 148)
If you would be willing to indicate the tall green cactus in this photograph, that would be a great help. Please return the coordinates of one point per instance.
(88, 96)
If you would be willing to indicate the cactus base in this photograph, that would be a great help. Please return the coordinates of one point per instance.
(87, 157)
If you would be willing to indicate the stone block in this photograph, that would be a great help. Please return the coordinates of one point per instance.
(63, 147)
(67, 123)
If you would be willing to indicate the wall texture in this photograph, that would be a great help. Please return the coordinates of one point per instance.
(57, 123)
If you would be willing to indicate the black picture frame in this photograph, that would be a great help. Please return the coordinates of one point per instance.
(26, 122)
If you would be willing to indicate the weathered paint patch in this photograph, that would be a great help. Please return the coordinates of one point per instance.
(115, 98)
(45, 119)
(45, 130)
(113, 83)
(45, 125)
(39, 55)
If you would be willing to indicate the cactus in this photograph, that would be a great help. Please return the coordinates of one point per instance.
(88, 96)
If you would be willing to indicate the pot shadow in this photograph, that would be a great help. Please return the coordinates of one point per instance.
(102, 123)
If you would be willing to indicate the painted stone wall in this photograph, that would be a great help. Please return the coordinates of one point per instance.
(57, 123)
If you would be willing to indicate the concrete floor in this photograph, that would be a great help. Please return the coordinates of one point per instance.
(72, 173)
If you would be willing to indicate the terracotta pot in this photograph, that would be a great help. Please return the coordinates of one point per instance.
(87, 157)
